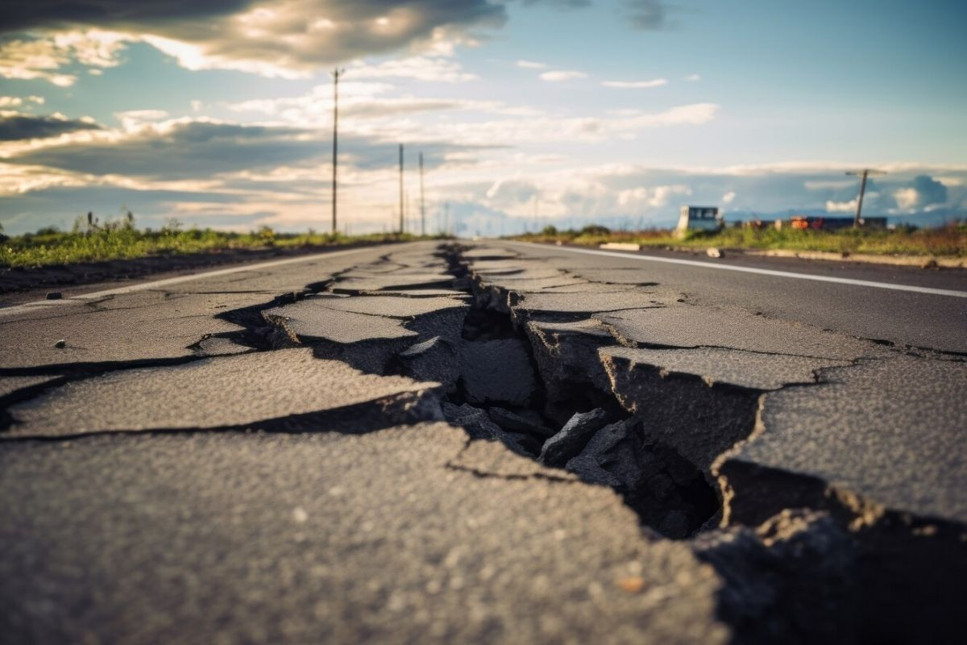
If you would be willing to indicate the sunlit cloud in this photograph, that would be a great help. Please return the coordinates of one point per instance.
(562, 75)
(270, 38)
(44, 57)
(632, 85)
(420, 68)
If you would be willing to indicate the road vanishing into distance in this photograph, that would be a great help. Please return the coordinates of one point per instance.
(488, 441)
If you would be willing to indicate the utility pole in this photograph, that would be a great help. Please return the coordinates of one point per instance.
(422, 201)
(859, 203)
(402, 228)
(336, 73)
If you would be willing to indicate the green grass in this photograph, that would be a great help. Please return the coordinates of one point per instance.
(116, 241)
(947, 241)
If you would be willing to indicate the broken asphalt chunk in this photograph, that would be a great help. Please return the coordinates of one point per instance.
(479, 427)
(573, 437)
(310, 320)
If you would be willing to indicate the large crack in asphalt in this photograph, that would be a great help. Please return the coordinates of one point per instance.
(800, 560)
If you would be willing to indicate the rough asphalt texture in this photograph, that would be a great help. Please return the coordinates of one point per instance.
(346, 449)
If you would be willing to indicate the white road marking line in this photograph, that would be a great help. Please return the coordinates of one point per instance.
(771, 272)
(144, 286)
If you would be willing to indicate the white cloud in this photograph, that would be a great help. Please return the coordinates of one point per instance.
(728, 197)
(629, 85)
(529, 64)
(562, 75)
(41, 58)
(841, 207)
(361, 103)
(906, 198)
(950, 181)
(422, 68)
(133, 119)
(654, 196)
(693, 78)
(10, 101)
(827, 184)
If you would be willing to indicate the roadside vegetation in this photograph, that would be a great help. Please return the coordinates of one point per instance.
(946, 241)
(93, 241)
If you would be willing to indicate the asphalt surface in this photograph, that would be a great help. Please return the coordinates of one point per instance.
(348, 448)
(922, 320)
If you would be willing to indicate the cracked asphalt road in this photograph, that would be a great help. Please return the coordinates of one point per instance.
(347, 448)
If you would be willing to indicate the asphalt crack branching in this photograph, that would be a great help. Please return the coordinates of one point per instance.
(821, 564)
(801, 560)
(668, 494)
(482, 473)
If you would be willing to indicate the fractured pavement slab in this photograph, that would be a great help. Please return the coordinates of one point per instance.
(225, 537)
(130, 327)
(723, 366)
(231, 391)
(872, 431)
(730, 327)
(700, 401)
(402, 307)
(589, 303)
(309, 320)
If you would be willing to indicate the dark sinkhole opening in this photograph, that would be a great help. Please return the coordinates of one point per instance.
(501, 394)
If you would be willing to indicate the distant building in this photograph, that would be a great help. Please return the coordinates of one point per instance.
(816, 223)
(699, 218)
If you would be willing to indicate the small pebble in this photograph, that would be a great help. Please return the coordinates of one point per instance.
(54, 295)
(632, 584)
(61, 344)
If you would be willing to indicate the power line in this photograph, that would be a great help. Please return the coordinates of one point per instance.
(336, 73)
(402, 227)
(422, 202)
(863, 173)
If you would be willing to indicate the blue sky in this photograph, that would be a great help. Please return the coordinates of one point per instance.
(528, 112)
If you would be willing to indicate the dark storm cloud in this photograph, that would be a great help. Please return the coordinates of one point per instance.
(17, 16)
(187, 150)
(647, 14)
(929, 191)
(293, 34)
(202, 149)
(25, 126)
(565, 4)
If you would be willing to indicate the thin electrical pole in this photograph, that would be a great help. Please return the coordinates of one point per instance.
(859, 203)
(422, 202)
(401, 190)
(336, 73)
